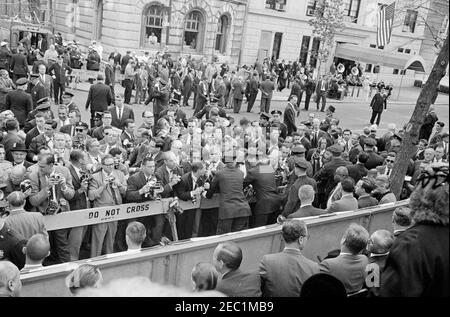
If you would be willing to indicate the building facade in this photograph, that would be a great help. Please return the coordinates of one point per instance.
(280, 28)
(197, 27)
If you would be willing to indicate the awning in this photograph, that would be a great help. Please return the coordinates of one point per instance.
(380, 57)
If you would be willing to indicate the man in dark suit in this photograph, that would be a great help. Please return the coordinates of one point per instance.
(174, 111)
(377, 104)
(190, 188)
(79, 201)
(321, 92)
(283, 274)
(58, 71)
(116, 56)
(427, 126)
(238, 94)
(227, 259)
(19, 65)
(169, 174)
(347, 202)
(19, 102)
(99, 98)
(161, 96)
(297, 90)
(267, 87)
(35, 89)
(110, 74)
(358, 170)
(44, 139)
(253, 91)
(38, 129)
(125, 59)
(306, 197)
(317, 134)
(41, 43)
(290, 113)
(349, 267)
(268, 201)
(120, 113)
(234, 209)
(374, 159)
(188, 82)
(325, 176)
(11, 138)
(363, 189)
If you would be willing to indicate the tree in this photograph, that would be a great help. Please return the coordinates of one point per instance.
(328, 20)
(411, 137)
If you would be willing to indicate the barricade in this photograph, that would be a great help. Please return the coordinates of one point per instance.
(172, 264)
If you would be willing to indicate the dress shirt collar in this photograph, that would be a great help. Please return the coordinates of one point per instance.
(373, 255)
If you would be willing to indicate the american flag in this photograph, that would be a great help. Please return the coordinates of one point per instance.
(385, 21)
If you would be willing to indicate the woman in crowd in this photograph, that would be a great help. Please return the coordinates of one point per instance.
(85, 276)
(204, 277)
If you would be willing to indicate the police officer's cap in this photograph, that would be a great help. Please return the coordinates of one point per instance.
(370, 142)
(302, 165)
(34, 76)
(264, 115)
(276, 112)
(21, 81)
(80, 124)
(298, 149)
(336, 149)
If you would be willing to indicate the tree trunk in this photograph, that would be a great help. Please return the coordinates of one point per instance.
(411, 137)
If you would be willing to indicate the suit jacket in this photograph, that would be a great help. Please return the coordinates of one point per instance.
(59, 71)
(162, 175)
(307, 211)
(373, 161)
(378, 103)
(47, 82)
(346, 203)
(20, 103)
(187, 85)
(319, 87)
(35, 144)
(19, 65)
(366, 201)
(68, 129)
(116, 57)
(238, 90)
(383, 169)
(161, 102)
(37, 92)
(99, 97)
(296, 90)
(232, 202)
(262, 178)
(240, 284)
(39, 197)
(30, 136)
(315, 140)
(110, 76)
(325, 176)
(106, 196)
(349, 269)
(283, 274)
(267, 88)
(220, 93)
(134, 183)
(127, 113)
(186, 185)
(79, 200)
(289, 118)
(293, 202)
(356, 171)
(26, 223)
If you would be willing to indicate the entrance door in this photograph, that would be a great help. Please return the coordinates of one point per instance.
(264, 45)
(277, 45)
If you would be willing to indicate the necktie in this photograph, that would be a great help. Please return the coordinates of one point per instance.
(388, 171)
(120, 115)
(113, 194)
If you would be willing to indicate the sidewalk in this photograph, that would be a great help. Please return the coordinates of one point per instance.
(408, 96)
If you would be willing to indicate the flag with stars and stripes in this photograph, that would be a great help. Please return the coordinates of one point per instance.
(385, 21)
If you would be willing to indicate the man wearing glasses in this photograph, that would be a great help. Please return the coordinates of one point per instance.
(147, 125)
(81, 136)
(106, 189)
(98, 132)
(45, 139)
(389, 165)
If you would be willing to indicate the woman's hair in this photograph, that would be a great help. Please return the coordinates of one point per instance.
(85, 276)
(205, 276)
(320, 142)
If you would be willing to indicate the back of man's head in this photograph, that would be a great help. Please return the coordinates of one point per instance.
(293, 229)
(348, 185)
(306, 193)
(363, 157)
(381, 242)
(10, 284)
(16, 199)
(136, 233)
(230, 254)
(37, 248)
(355, 238)
(402, 217)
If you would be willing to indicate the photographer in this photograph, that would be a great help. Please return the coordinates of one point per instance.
(119, 163)
(80, 181)
(105, 189)
(51, 187)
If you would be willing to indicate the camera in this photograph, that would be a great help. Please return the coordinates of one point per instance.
(55, 177)
(85, 176)
(110, 179)
(156, 188)
(25, 185)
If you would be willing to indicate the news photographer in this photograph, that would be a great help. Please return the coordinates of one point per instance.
(51, 188)
(80, 181)
(106, 189)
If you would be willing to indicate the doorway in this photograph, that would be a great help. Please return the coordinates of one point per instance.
(277, 45)
(264, 45)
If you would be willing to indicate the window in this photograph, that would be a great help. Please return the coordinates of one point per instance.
(278, 5)
(409, 25)
(311, 7)
(408, 51)
(395, 72)
(304, 49)
(373, 46)
(153, 25)
(193, 30)
(403, 72)
(98, 20)
(314, 52)
(368, 68)
(400, 50)
(376, 69)
(277, 45)
(222, 33)
(351, 10)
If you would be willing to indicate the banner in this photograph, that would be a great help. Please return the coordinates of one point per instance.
(92, 216)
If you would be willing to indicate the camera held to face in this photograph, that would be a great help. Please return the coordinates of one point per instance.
(25, 185)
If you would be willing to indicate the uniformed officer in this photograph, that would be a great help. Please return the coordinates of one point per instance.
(67, 99)
(36, 89)
(276, 122)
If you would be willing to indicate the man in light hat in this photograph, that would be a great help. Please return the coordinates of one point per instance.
(19, 102)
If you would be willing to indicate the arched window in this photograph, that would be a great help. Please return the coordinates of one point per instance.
(194, 30)
(98, 20)
(222, 34)
(153, 24)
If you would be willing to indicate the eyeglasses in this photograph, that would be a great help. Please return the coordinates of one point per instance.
(79, 130)
(390, 161)
(107, 133)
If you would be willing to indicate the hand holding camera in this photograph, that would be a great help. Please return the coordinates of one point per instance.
(175, 179)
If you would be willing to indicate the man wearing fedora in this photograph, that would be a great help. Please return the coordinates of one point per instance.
(19, 154)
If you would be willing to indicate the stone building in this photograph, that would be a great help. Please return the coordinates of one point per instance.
(196, 27)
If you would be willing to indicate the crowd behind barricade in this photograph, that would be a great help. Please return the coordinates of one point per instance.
(262, 172)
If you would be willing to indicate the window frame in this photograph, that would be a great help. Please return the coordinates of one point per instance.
(199, 30)
(156, 27)
(311, 5)
(222, 34)
(409, 24)
(349, 7)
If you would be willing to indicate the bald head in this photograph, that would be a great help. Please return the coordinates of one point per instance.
(17, 174)
(341, 170)
(16, 199)
(380, 242)
(37, 248)
(10, 284)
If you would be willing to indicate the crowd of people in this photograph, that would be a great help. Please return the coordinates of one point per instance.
(261, 172)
